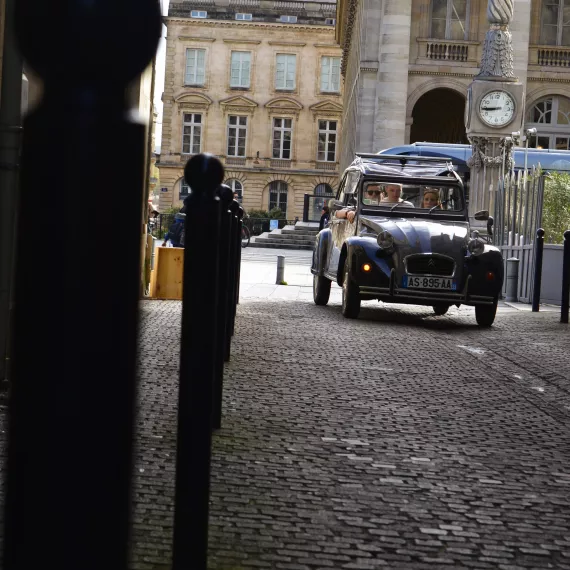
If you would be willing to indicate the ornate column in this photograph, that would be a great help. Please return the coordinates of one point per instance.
(494, 109)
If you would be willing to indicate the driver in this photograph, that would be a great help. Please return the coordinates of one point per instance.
(371, 197)
(392, 193)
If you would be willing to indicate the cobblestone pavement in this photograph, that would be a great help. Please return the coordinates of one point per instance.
(400, 440)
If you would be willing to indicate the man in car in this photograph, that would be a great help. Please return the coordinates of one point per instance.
(371, 197)
(392, 193)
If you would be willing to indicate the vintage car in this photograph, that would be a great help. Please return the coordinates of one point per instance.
(399, 232)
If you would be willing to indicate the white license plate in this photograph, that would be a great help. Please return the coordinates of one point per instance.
(429, 283)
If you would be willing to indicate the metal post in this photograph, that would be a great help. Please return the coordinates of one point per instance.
(512, 280)
(226, 196)
(231, 291)
(565, 279)
(10, 139)
(538, 270)
(70, 445)
(198, 353)
(280, 270)
(240, 226)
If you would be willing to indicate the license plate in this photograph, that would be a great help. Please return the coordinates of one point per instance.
(429, 283)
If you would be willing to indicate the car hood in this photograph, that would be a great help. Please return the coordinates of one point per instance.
(421, 235)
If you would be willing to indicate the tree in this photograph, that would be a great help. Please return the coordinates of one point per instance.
(556, 207)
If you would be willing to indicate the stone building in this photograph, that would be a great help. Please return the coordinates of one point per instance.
(407, 65)
(256, 83)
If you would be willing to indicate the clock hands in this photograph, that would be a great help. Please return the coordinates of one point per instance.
(491, 108)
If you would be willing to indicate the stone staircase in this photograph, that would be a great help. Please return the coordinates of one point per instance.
(300, 236)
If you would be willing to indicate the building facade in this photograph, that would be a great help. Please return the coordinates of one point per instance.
(256, 83)
(407, 65)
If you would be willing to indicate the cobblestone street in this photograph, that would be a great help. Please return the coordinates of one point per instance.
(400, 440)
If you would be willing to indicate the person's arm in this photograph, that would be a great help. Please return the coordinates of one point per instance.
(346, 213)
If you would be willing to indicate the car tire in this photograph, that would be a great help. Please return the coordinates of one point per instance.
(440, 309)
(485, 314)
(350, 296)
(321, 290)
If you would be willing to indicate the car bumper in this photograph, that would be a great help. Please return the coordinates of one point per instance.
(399, 295)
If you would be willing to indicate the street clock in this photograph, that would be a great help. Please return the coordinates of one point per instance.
(497, 108)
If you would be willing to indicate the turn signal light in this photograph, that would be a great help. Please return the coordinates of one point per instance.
(490, 276)
(366, 268)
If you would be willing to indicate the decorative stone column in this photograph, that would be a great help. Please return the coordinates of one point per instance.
(490, 137)
(392, 87)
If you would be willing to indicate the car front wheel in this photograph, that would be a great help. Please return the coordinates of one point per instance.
(321, 290)
(441, 309)
(485, 314)
(350, 296)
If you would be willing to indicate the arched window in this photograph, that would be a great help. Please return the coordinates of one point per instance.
(450, 19)
(236, 186)
(183, 189)
(278, 195)
(323, 190)
(551, 118)
(555, 23)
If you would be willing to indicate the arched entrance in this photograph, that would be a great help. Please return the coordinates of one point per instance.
(438, 117)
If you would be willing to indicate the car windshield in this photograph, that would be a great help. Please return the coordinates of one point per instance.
(431, 199)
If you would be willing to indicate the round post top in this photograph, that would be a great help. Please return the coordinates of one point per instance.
(540, 233)
(203, 173)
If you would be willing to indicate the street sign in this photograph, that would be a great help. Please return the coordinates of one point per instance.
(273, 224)
(164, 189)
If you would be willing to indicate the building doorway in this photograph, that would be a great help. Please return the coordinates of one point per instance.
(439, 117)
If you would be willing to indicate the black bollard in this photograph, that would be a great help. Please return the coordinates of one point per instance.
(198, 353)
(565, 279)
(538, 270)
(226, 196)
(231, 292)
(75, 327)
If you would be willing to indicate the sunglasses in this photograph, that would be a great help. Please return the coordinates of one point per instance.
(374, 192)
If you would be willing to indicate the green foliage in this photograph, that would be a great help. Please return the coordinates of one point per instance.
(276, 214)
(556, 207)
(258, 214)
(172, 210)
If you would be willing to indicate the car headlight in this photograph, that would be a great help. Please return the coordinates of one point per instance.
(476, 246)
(385, 240)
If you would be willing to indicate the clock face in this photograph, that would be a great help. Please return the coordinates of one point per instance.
(497, 108)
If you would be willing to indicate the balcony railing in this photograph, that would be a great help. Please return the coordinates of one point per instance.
(326, 165)
(460, 51)
(280, 163)
(551, 56)
(235, 161)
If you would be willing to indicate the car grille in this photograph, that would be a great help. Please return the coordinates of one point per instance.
(430, 265)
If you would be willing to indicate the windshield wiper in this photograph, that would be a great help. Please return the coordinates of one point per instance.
(438, 206)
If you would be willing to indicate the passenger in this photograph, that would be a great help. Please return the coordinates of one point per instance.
(392, 193)
(431, 198)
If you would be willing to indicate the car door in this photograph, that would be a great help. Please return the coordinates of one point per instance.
(342, 228)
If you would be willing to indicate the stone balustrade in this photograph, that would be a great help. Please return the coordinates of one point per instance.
(449, 50)
(550, 56)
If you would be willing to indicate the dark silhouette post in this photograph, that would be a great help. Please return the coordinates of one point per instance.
(565, 279)
(198, 355)
(226, 242)
(538, 270)
(72, 399)
(231, 291)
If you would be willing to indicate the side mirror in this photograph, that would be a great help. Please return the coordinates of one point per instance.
(482, 215)
(490, 223)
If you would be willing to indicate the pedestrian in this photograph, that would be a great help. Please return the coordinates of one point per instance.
(325, 216)
(176, 231)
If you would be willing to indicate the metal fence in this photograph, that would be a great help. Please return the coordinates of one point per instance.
(518, 215)
(257, 226)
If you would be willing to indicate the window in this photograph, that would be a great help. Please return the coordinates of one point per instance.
(326, 151)
(330, 22)
(330, 74)
(551, 118)
(236, 186)
(285, 71)
(278, 196)
(184, 189)
(555, 29)
(198, 14)
(191, 133)
(324, 190)
(240, 68)
(282, 134)
(237, 134)
(241, 16)
(195, 67)
(449, 19)
(288, 19)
